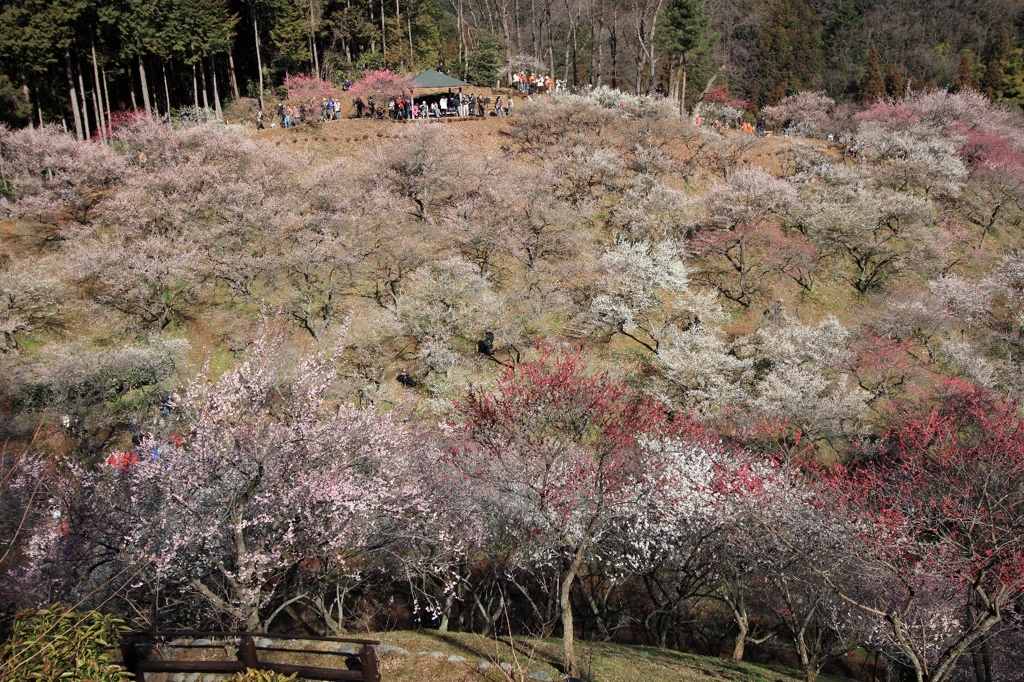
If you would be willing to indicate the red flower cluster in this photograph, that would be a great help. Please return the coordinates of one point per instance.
(122, 460)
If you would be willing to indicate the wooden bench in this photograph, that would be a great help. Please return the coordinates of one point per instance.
(360, 666)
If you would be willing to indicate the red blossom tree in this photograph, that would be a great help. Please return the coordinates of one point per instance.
(939, 510)
(562, 452)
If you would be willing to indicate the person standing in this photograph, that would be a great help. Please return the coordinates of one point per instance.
(509, 106)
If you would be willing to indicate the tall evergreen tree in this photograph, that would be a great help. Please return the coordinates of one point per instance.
(845, 50)
(872, 85)
(37, 45)
(681, 31)
(994, 69)
(893, 82)
(485, 60)
(965, 78)
(140, 23)
(288, 36)
(789, 51)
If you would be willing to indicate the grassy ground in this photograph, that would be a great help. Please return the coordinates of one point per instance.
(601, 662)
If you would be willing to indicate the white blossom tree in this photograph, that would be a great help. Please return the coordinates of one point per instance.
(271, 473)
(648, 291)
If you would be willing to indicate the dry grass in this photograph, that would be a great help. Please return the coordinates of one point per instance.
(599, 661)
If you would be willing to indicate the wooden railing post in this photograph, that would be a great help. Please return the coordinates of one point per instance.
(130, 659)
(247, 653)
(368, 659)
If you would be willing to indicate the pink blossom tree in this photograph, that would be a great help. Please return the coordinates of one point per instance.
(382, 83)
(305, 88)
(272, 474)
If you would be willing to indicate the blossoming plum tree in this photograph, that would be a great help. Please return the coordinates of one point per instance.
(271, 475)
(562, 453)
(939, 510)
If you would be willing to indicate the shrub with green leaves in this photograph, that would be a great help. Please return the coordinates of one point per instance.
(59, 644)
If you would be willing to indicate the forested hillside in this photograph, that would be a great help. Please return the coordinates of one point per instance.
(69, 58)
(716, 347)
(592, 371)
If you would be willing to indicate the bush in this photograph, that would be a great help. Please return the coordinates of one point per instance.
(807, 113)
(261, 676)
(48, 171)
(636, 106)
(303, 88)
(70, 379)
(59, 644)
(369, 61)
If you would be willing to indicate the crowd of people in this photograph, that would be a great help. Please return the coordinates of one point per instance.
(314, 112)
(402, 107)
(406, 106)
(723, 122)
(531, 83)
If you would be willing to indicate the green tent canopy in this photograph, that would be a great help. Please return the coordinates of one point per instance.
(435, 79)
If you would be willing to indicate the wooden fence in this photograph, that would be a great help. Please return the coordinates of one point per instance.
(360, 666)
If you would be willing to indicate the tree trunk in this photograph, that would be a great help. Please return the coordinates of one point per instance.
(568, 628)
(97, 108)
(26, 95)
(551, 58)
(106, 100)
(167, 90)
(145, 86)
(739, 610)
(810, 670)
(216, 95)
(85, 107)
(259, 60)
(97, 96)
(383, 35)
(596, 610)
(312, 40)
(682, 93)
(446, 612)
(613, 43)
(73, 95)
(195, 89)
(202, 79)
(233, 81)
